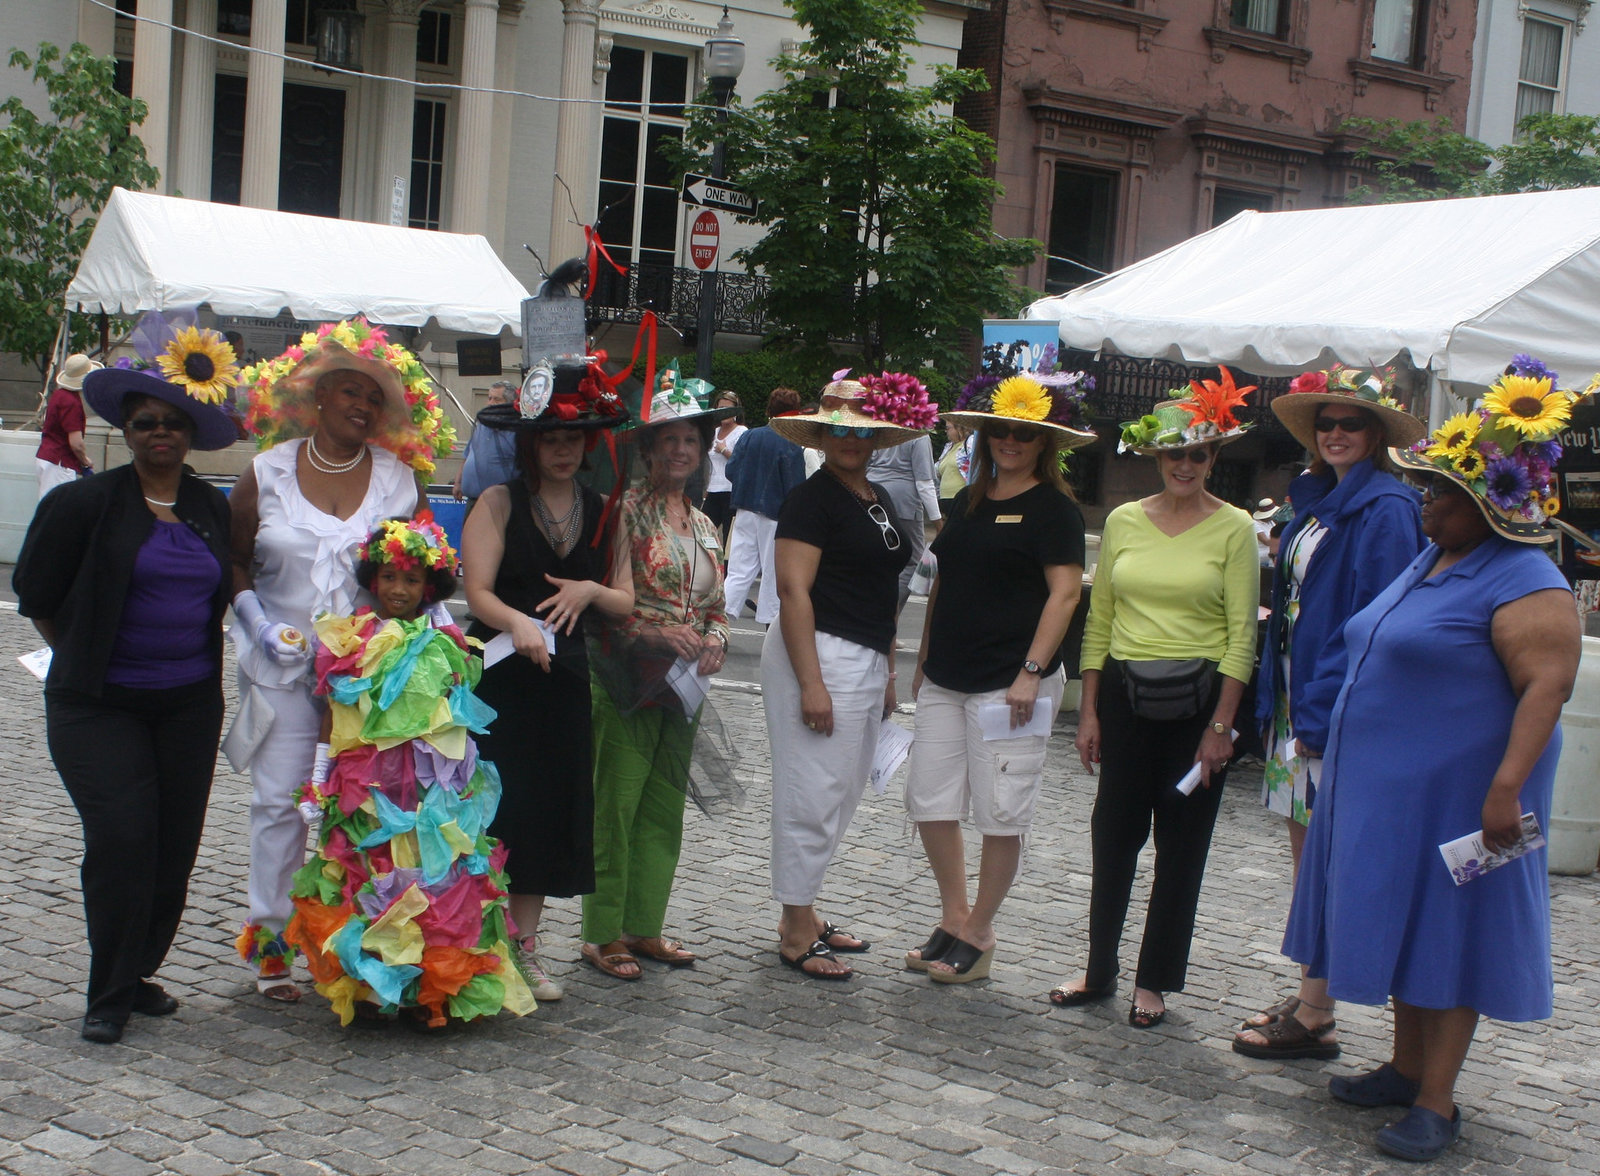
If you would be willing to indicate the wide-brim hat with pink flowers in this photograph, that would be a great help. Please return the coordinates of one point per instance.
(893, 405)
(1365, 389)
(282, 405)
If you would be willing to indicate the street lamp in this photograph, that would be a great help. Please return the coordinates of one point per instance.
(724, 59)
(338, 35)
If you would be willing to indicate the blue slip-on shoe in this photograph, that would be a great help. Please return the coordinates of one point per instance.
(1421, 1136)
(1383, 1087)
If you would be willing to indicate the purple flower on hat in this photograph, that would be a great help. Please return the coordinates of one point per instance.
(1508, 483)
(1548, 452)
(975, 395)
(1524, 364)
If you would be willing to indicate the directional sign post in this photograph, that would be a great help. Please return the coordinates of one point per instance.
(713, 193)
(703, 238)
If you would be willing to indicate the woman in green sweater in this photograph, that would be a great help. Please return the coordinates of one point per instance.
(1167, 650)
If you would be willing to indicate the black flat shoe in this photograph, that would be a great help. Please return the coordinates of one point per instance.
(154, 1001)
(1070, 998)
(101, 1030)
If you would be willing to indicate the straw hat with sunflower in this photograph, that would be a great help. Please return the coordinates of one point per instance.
(1504, 450)
(1053, 401)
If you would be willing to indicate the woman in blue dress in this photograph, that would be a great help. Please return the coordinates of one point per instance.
(1480, 631)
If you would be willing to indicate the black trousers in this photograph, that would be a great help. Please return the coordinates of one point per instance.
(1141, 761)
(138, 766)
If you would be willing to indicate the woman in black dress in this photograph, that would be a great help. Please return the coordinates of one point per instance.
(534, 562)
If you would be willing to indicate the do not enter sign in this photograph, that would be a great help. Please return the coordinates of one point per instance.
(703, 240)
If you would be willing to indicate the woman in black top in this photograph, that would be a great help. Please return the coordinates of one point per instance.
(529, 550)
(1010, 571)
(126, 576)
(826, 667)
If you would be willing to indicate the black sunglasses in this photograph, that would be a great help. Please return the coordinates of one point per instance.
(176, 423)
(1350, 424)
(1192, 456)
(1434, 486)
(1022, 433)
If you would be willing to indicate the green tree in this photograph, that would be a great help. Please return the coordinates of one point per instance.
(56, 174)
(876, 203)
(1433, 161)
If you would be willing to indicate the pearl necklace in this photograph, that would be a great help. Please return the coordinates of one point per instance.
(324, 466)
(158, 502)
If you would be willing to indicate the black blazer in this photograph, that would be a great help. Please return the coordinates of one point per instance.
(78, 557)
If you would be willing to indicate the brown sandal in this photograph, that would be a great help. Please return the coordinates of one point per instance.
(1289, 1038)
(1272, 1014)
(663, 951)
(610, 958)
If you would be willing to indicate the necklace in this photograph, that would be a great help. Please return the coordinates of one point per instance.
(870, 498)
(324, 466)
(563, 532)
(158, 502)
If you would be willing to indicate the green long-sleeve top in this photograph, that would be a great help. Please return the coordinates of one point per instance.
(1161, 596)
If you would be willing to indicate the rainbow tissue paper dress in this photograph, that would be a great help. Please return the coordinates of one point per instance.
(404, 903)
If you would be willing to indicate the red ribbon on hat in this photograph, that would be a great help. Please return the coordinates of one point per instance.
(595, 249)
(645, 336)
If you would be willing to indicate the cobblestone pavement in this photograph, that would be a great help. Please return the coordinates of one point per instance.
(738, 1066)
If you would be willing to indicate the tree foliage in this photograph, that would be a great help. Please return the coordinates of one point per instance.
(875, 202)
(56, 174)
(1433, 161)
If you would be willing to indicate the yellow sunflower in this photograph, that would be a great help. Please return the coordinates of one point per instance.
(1528, 405)
(1468, 464)
(1456, 435)
(203, 362)
(1551, 505)
(1022, 398)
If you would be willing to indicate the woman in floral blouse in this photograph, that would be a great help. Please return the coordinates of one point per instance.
(644, 729)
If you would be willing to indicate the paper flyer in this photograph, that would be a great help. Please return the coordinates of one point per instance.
(690, 685)
(894, 744)
(501, 646)
(994, 720)
(1467, 857)
(37, 663)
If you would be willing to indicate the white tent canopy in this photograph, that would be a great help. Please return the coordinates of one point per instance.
(159, 252)
(1453, 287)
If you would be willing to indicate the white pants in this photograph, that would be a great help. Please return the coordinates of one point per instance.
(817, 780)
(277, 833)
(52, 475)
(752, 552)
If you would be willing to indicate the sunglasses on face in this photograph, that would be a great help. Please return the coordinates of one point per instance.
(891, 537)
(1433, 486)
(1022, 433)
(149, 424)
(860, 431)
(1192, 456)
(1349, 424)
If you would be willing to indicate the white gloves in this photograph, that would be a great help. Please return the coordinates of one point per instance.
(440, 615)
(283, 643)
(310, 811)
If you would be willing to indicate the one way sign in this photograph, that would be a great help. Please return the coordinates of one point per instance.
(710, 193)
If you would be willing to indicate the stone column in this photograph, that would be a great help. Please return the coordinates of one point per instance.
(263, 106)
(152, 82)
(475, 120)
(505, 72)
(197, 103)
(399, 106)
(576, 140)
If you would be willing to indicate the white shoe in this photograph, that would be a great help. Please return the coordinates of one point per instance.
(539, 982)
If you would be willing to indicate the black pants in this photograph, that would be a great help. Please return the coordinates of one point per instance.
(138, 766)
(718, 507)
(1141, 761)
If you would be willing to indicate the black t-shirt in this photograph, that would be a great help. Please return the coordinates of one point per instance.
(992, 586)
(858, 577)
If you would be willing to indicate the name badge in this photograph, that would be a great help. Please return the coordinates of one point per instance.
(710, 543)
(1008, 518)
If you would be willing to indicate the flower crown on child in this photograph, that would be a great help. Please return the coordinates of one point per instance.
(410, 543)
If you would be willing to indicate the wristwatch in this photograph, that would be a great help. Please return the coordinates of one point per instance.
(1218, 727)
(1032, 667)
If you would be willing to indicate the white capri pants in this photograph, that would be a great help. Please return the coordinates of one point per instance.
(752, 548)
(277, 770)
(817, 780)
(953, 768)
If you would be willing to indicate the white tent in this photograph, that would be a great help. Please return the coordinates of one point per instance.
(159, 252)
(1453, 287)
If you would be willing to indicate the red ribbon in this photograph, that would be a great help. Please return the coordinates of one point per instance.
(596, 249)
(647, 330)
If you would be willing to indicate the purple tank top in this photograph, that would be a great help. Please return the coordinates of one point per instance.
(166, 618)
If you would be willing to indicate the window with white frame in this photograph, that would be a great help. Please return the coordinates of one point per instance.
(1542, 74)
(1396, 30)
(427, 165)
(646, 90)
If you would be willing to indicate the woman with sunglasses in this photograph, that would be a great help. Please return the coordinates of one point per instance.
(1011, 552)
(827, 674)
(1167, 649)
(1355, 528)
(126, 574)
(1446, 726)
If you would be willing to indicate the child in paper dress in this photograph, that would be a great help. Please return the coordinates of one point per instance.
(404, 904)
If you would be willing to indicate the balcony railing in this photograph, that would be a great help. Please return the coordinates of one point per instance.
(673, 292)
(1125, 388)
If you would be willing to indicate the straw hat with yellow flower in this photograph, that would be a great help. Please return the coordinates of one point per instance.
(1052, 401)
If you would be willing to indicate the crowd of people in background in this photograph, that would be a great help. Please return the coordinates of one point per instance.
(457, 782)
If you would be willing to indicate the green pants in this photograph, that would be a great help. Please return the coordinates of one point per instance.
(641, 764)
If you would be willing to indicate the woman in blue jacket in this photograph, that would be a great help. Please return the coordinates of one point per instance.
(1355, 528)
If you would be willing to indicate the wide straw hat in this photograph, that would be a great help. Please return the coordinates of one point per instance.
(1201, 414)
(1048, 402)
(894, 406)
(1365, 389)
(74, 369)
(1503, 452)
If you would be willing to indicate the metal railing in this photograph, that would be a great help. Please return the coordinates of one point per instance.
(673, 292)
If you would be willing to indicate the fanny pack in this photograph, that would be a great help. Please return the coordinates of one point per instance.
(1169, 690)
